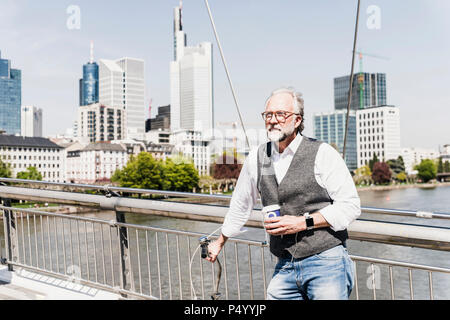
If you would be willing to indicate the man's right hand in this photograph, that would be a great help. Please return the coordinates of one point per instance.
(215, 247)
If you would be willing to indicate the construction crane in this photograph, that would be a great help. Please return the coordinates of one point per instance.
(361, 74)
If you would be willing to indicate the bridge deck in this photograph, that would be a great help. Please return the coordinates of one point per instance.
(25, 285)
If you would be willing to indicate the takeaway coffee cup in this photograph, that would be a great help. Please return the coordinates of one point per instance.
(271, 211)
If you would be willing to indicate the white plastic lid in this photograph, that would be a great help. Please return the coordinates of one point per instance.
(270, 208)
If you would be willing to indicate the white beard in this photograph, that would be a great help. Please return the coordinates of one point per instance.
(279, 134)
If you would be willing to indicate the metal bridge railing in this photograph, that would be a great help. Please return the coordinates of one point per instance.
(88, 251)
(155, 263)
(399, 274)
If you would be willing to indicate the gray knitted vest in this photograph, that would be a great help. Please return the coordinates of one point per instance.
(297, 193)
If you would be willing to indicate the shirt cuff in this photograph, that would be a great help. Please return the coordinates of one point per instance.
(330, 216)
(231, 232)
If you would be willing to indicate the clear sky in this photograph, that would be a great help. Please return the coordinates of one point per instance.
(267, 44)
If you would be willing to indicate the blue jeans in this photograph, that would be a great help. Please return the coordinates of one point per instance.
(328, 275)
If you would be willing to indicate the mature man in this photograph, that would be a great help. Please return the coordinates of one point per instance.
(310, 182)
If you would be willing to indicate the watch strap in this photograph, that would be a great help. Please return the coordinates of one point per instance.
(309, 221)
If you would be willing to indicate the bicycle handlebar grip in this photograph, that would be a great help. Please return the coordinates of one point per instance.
(204, 244)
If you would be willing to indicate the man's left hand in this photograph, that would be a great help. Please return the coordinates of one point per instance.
(278, 226)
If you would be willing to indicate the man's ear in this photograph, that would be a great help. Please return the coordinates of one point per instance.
(298, 122)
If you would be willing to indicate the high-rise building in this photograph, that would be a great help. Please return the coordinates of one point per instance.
(191, 82)
(97, 122)
(161, 121)
(89, 82)
(31, 121)
(378, 133)
(122, 85)
(330, 128)
(10, 97)
(369, 89)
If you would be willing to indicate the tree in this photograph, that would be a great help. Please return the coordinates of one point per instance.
(30, 174)
(381, 173)
(227, 167)
(5, 170)
(426, 170)
(363, 171)
(142, 172)
(208, 183)
(363, 176)
(401, 177)
(447, 166)
(179, 175)
(373, 161)
(396, 165)
(440, 166)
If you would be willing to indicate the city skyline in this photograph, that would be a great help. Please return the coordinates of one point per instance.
(261, 47)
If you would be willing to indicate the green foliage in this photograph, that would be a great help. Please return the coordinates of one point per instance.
(427, 170)
(179, 176)
(401, 177)
(144, 172)
(30, 174)
(5, 170)
(396, 165)
(363, 171)
(363, 176)
(207, 182)
(447, 166)
(440, 166)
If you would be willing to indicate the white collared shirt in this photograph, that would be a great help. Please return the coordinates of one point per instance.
(331, 174)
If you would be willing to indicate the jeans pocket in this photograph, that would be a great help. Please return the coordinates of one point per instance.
(283, 266)
(351, 273)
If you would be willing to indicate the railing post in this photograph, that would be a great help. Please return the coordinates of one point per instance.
(126, 277)
(9, 223)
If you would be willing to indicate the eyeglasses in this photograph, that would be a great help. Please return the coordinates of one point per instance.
(281, 116)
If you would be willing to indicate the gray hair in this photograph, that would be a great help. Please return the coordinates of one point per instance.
(298, 103)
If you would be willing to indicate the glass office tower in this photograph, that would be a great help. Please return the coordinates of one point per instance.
(330, 128)
(89, 84)
(10, 97)
(369, 89)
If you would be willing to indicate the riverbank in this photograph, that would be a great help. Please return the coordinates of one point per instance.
(403, 186)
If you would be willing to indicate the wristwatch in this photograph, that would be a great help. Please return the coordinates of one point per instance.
(309, 221)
